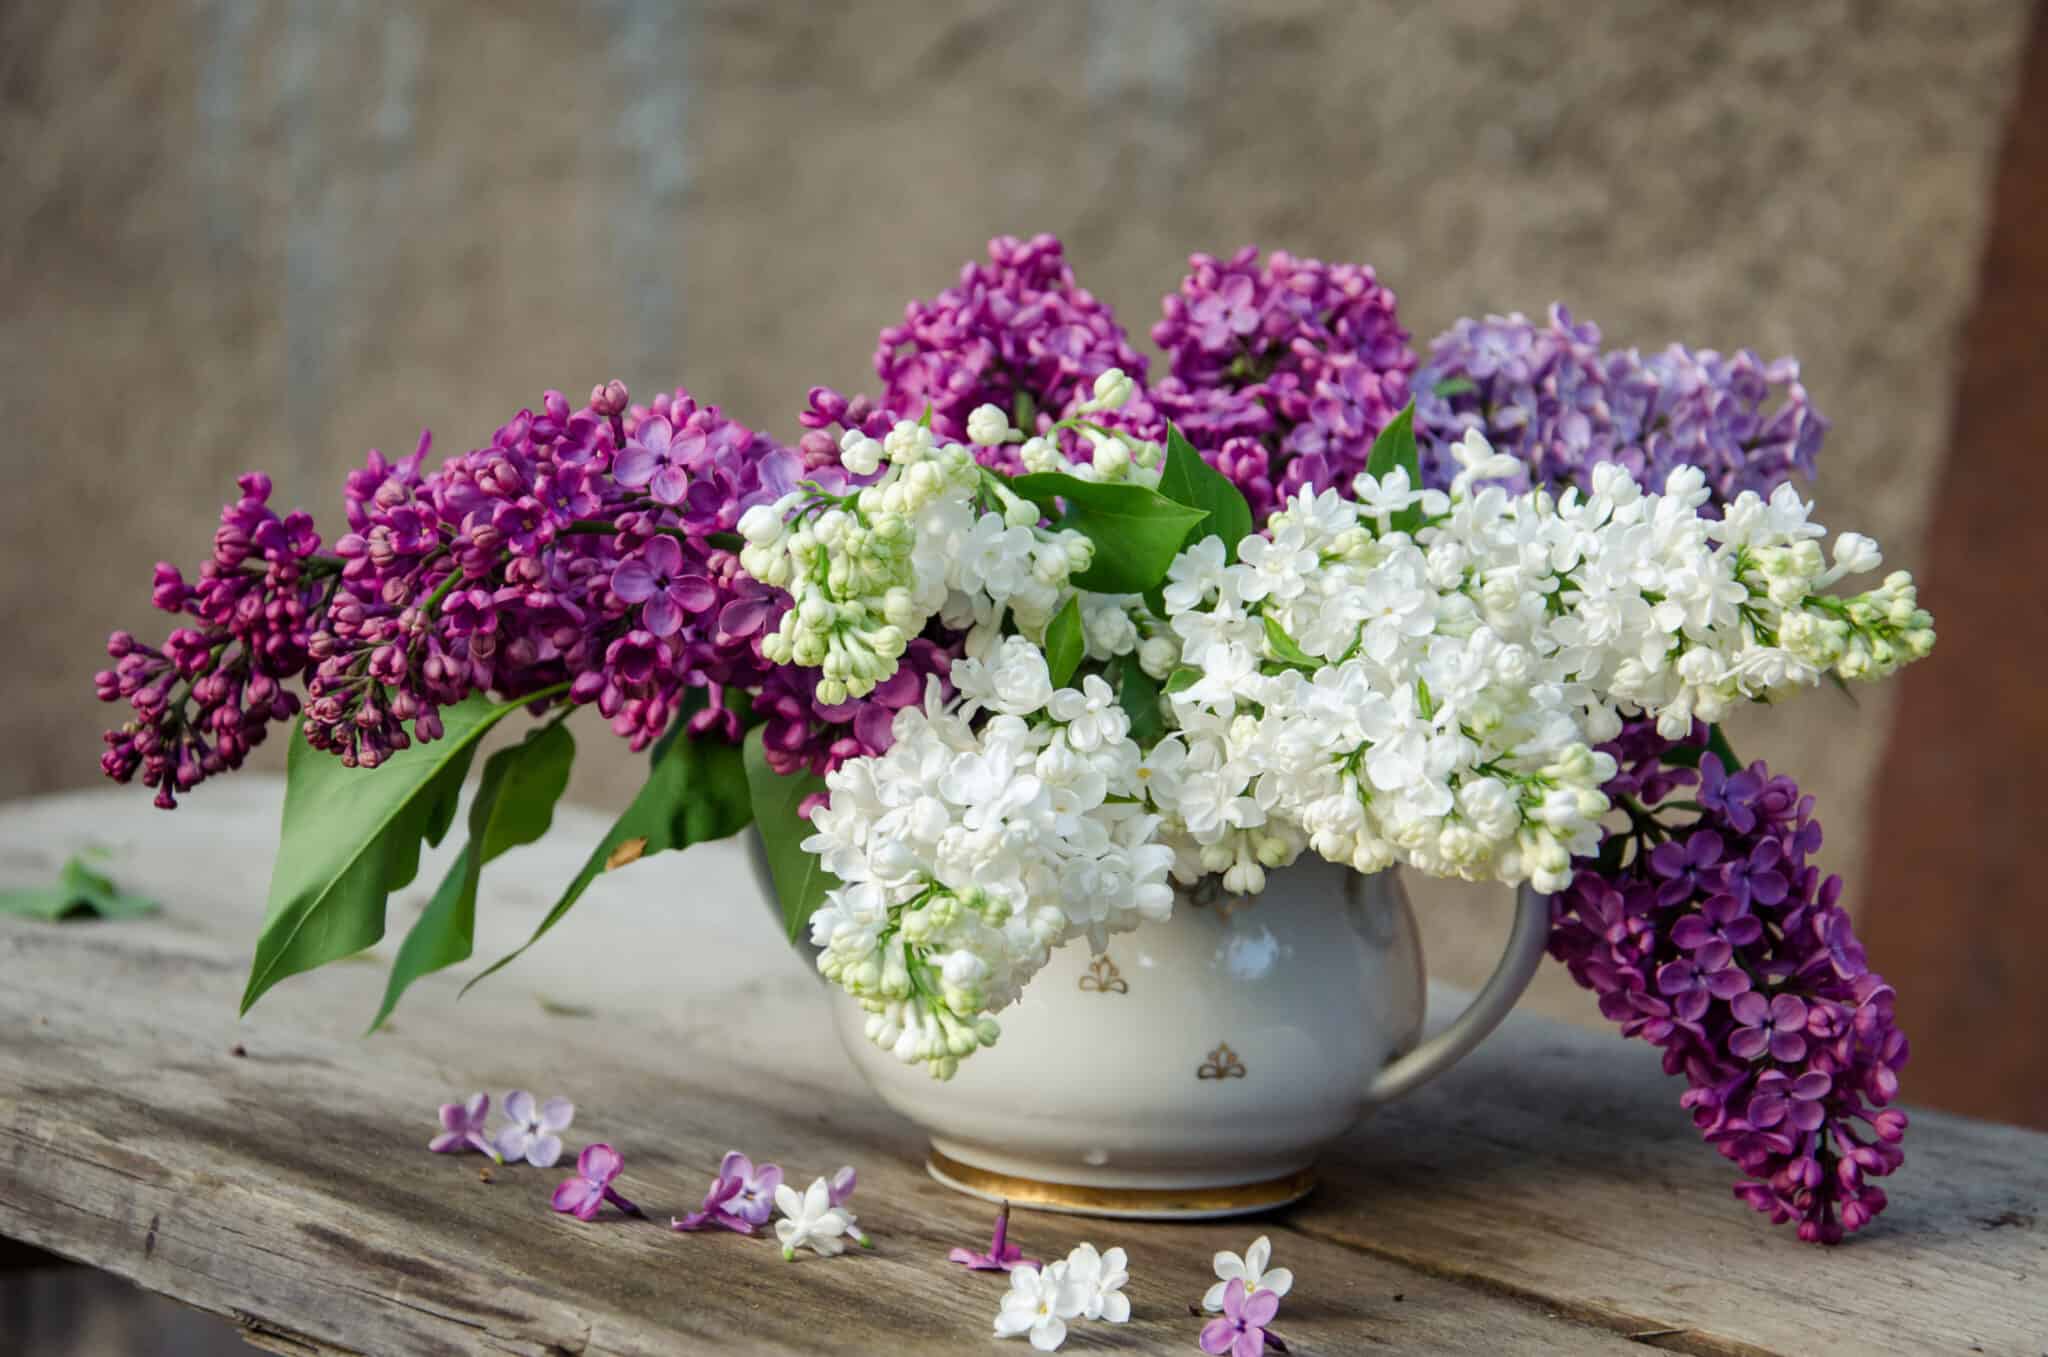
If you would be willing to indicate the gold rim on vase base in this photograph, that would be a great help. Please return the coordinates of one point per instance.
(1234, 1199)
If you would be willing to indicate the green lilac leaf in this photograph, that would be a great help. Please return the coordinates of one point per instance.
(1136, 530)
(78, 890)
(514, 805)
(696, 791)
(1138, 695)
(1717, 744)
(1454, 386)
(800, 879)
(1395, 447)
(1187, 479)
(352, 836)
(1065, 646)
(1184, 676)
(1284, 648)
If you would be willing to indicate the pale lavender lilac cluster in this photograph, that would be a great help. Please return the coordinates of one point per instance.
(1709, 933)
(1549, 395)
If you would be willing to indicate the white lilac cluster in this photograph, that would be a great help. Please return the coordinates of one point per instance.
(931, 534)
(979, 842)
(1432, 699)
(1113, 454)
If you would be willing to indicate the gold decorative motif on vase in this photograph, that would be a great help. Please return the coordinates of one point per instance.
(1221, 1064)
(1104, 978)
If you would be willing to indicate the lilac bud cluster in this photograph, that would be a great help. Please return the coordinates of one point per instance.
(1706, 931)
(1548, 395)
(207, 697)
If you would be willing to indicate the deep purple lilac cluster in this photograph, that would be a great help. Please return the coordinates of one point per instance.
(1017, 326)
(1713, 937)
(208, 696)
(1549, 395)
(1282, 374)
(582, 553)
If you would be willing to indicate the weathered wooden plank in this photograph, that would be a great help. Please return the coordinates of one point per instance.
(1550, 1179)
(287, 1188)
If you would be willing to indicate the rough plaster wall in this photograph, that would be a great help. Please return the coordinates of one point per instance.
(277, 234)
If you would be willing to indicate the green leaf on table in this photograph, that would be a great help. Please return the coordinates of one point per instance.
(1395, 447)
(78, 890)
(352, 836)
(1065, 647)
(514, 805)
(800, 879)
(1187, 479)
(1138, 695)
(1284, 648)
(696, 791)
(1136, 530)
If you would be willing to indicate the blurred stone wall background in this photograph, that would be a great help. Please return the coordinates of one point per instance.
(276, 234)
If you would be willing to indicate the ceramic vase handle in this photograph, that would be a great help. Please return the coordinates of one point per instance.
(1492, 1003)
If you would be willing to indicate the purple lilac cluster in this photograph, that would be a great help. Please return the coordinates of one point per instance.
(1282, 373)
(582, 553)
(207, 697)
(1710, 935)
(1549, 395)
(1017, 332)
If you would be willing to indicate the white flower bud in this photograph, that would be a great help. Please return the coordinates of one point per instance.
(988, 426)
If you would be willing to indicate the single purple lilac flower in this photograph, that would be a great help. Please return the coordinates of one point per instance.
(591, 1187)
(653, 457)
(1241, 1331)
(1729, 795)
(1002, 1255)
(654, 578)
(1778, 1025)
(462, 1127)
(1756, 877)
(755, 1200)
(1723, 924)
(1692, 984)
(1838, 937)
(1686, 867)
(535, 1130)
(1794, 1102)
(716, 1209)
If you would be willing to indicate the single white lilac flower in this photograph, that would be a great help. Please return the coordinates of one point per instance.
(810, 1220)
(1252, 1271)
(1099, 1279)
(838, 1192)
(1039, 1303)
(535, 1131)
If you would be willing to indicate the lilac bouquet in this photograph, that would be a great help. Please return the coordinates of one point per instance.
(990, 657)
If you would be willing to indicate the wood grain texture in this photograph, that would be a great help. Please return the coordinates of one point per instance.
(1547, 1196)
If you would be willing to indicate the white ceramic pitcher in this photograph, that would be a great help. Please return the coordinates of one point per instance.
(1195, 1068)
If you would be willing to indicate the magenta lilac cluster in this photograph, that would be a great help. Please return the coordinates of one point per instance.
(1711, 934)
(1282, 374)
(1551, 396)
(581, 554)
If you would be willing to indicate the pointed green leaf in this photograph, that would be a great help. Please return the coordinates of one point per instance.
(1183, 676)
(1285, 650)
(38, 902)
(696, 791)
(78, 890)
(514, 805)
(1717, 744)
(351, 836)
(1136, 530)
(1187, 479)
(1138, 695)
(1065, 646)
(1454, 386)
(1395, 447)
(800, 879)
